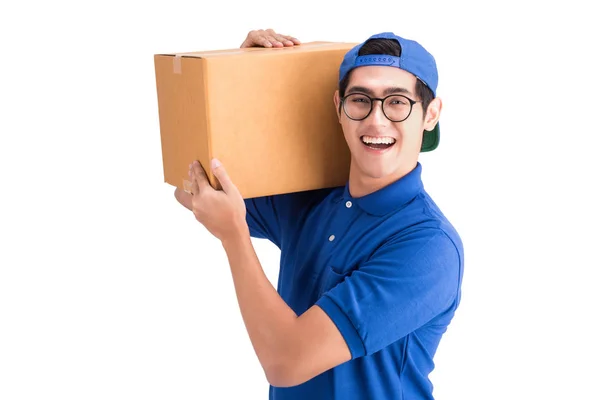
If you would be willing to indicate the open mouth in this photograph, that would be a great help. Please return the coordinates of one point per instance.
(378, 143)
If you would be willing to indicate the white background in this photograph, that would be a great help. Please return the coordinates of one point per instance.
(109, 289)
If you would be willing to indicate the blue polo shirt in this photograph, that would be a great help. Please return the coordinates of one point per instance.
(386, 268)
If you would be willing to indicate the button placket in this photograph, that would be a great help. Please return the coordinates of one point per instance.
(332, 237)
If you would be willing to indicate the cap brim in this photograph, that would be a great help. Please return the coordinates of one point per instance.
(431, 139)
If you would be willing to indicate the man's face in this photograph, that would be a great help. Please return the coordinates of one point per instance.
(367, 139)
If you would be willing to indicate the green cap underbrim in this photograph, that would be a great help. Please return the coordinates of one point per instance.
(431, 139)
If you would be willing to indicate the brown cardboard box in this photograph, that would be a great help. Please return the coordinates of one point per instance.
(266, 113)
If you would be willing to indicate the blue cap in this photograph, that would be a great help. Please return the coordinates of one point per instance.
(413, 58)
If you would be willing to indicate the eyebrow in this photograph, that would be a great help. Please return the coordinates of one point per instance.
(389, 90)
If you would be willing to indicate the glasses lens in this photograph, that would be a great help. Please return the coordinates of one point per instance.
(396, 108)
(357, 106)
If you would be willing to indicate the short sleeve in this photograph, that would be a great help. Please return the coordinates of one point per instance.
(273, 217)
(405, 284)
(264, 219)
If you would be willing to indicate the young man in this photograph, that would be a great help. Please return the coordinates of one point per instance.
(370, 273)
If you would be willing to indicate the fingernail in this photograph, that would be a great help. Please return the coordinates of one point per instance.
(215, 163)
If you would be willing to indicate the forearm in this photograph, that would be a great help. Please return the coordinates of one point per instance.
(269, 320)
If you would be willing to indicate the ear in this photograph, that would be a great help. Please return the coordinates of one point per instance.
(433, 114)
(336, 101)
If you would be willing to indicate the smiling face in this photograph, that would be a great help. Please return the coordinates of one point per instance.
(383, 151)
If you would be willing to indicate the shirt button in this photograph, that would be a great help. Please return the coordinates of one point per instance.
(348, 204)
(331, 238)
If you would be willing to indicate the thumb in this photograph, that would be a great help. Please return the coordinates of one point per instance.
(221, 174)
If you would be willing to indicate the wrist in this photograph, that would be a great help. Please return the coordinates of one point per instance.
(236, 238)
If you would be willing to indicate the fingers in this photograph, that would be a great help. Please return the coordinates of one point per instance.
(269, 38)
(277, 40)
(199, 178)
(185, 199)
(222, 176)
(194, 189)
(293, 40)
(287, 40)
(200, 181)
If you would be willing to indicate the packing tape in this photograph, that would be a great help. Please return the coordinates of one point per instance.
(187, 186)
(177, 64)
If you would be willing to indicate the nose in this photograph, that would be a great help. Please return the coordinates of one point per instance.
(377, 117)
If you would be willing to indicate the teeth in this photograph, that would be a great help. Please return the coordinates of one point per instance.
(378, 140)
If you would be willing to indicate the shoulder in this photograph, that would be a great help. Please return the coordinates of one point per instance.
(426, 244)
(304, 201)
(434, 212)
(424, 217)
(419, 233)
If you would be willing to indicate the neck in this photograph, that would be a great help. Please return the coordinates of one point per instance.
(361, 185)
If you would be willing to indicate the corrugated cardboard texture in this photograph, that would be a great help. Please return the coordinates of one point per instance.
(267, 114)
(182, 115)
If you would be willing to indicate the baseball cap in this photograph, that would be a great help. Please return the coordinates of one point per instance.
(413, 58)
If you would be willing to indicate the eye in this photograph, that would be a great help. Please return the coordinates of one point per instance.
(398, 101)
(358, 100)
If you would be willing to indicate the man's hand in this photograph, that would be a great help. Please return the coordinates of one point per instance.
(268, 38)
(184, 198)
(222, 212)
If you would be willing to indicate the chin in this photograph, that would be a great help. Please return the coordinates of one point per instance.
(377, 172)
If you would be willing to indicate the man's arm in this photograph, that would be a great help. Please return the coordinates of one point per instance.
(408, 282)
(405, 285)
(291, 349)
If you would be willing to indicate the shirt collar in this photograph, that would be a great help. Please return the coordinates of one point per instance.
(390, 197)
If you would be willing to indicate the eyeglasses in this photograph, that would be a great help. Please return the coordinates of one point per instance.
(395, 107)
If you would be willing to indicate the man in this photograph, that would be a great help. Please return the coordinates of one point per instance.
(371, 272)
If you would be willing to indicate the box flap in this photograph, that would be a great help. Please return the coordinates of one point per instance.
(305, 47)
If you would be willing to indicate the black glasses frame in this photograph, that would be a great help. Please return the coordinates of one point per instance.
(372, 99)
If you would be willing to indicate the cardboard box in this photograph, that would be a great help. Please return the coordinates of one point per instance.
(266, 113)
